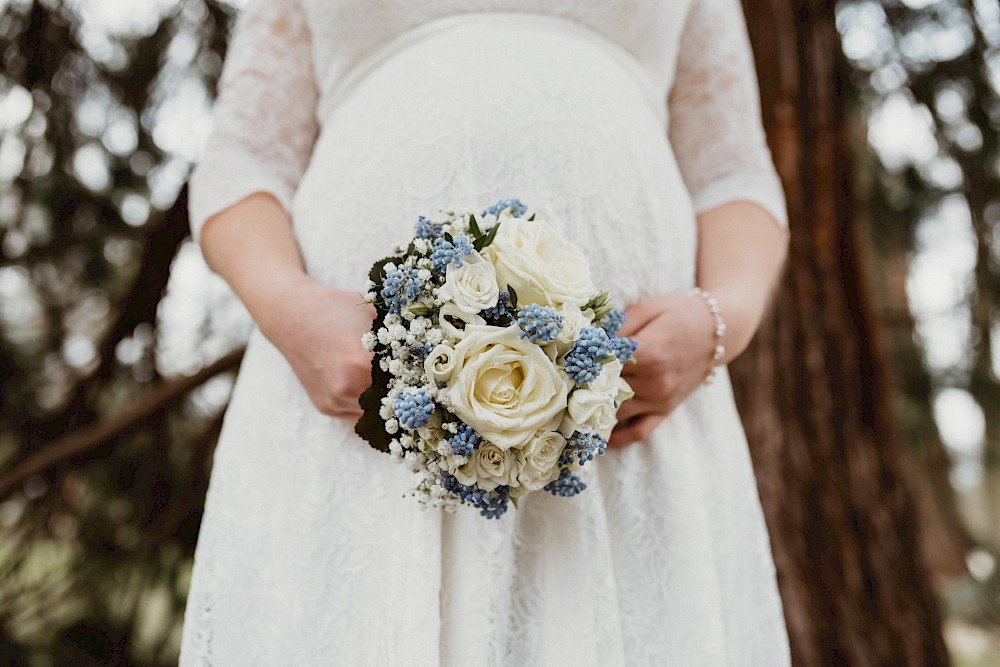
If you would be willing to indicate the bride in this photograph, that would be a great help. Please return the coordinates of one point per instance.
(634, 127)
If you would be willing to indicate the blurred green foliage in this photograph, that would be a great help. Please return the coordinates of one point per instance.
(95, 550)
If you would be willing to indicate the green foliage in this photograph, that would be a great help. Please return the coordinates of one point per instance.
(95, 551)
(938, 60)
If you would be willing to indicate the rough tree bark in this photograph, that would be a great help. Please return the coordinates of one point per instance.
(825, 449)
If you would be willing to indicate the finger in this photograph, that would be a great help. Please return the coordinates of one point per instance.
(353, 415)
(635, 321)
(638, 316)
(635, 430)
(635, 407)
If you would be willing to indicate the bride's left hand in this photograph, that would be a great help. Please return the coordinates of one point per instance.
(676, 342)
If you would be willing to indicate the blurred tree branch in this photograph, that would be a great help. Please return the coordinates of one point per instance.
(87, 438)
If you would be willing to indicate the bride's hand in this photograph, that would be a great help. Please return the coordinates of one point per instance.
(318, 329)
(676, 344)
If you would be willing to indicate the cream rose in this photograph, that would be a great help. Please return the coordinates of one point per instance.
(440, 363)
(452, 310)
(595, 406)
(489, 467)
(538, 460)
(574, 320)
(540, 265)
(505, 387)
(473, 286)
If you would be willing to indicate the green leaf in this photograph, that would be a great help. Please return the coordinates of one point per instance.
(486, 239)
(601, 311)
(377, 274)
(371, 426)
(513, 296)
(598, 302)
(420, 309)
(474, 226)
(514, 501)
(448, 237)
(532, 218)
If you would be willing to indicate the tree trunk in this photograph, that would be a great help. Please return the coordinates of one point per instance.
(826, 452)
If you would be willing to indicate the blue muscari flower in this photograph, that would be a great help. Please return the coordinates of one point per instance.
(464, 442)
(582, 370)
(427, 229)
(419, 351)
(539, 324)
(500, 313)
(567, 485)
(446, 252)
(400, 287)
(612, 322)
(586, 360)
(516, 206)
(413, 408)
(491, 504)
(582, 447)
(624, 348)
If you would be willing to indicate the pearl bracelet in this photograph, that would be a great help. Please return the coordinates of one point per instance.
(720, 330)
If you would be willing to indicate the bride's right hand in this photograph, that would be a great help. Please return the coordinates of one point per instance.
(318, 329)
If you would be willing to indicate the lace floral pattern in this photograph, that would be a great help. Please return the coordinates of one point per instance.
(619, 119)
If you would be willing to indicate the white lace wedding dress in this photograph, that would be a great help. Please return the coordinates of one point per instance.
(618, 120)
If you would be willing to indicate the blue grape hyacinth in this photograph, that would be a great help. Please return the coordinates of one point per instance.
(586, 360)
(582, 447)
(413, 408)
(419, 351)
(612, 322)
(568, 484)
(401, 286)
(464, 442)
(624, 348)
(491, 504)
(502, 313)
(445, 252)
(426, 229)
(516, 206)
(539, 324)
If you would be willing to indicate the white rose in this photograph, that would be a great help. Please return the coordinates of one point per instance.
(451, 310)
(611, 382)
(489, 467)
(473, 286)
(625, 392)
(595, 406)
(590, 409)
(574, 320)
(504, 386)
(539, 459)
(541, 266)
(440, 363)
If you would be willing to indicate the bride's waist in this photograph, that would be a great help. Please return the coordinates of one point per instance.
(496, 56)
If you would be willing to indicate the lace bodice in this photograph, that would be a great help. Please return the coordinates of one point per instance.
(292, 61)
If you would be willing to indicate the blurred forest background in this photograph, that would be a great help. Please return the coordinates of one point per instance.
(118, 348)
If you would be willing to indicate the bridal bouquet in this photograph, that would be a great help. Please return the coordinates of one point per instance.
(497, 368)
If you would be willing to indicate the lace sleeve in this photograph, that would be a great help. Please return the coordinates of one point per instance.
(264, 119)
(715, 119)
